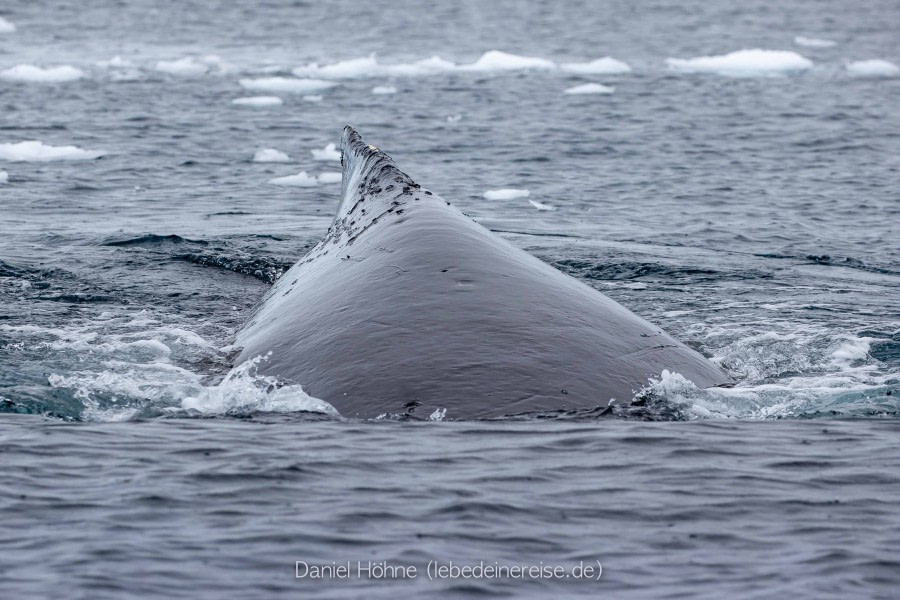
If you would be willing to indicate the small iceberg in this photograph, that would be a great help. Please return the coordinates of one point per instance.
(7, 26)
(301, 179)
(495, 60)
(270, 155)
(602, 66)
(35, 151)
(4, 177)
(329, 177)
(258, 101)
(383, 90)
(329, 152)
(506, 194)
(359, 68)
(743, 63)
(183, 67)
(312, 98)
(34, 74)
(286, 84)
(875, 67)
(813, 42)
(116, 62)
(590, 88)
(541, 205)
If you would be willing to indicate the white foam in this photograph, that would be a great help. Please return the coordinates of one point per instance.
(4, 177)
(602, 66)
(301, 179)
(541, 205)
(359, 68)
(329, 152)
(6, 26)
(183, 67)
(495, 60)
(590, 88)
(35, 151)
(383, 90)
(287, 84)
(34, 74)
(270, 155)
(329, 177)
(438, 415)
(813, 42)
(506, 194)
(875, 67)
(743, 63)
(312, 98)
(258, 101)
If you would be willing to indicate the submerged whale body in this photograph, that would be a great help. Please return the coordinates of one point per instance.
(408, 305)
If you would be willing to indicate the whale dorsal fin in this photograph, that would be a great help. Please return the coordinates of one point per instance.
(367, 172)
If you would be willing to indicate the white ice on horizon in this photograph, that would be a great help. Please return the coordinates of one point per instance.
(116, 62)
(813, 42)
(383, 90)
(541, 205)
(743, 63)
(7, 26)
(495, 60)
(329, 177)
(183, 67)
(270, 155)
(286, 84)
(258, 101)
(359, 68)
(329, 152)
(590, 88)
(312, 98)
(875, 67)
(506, 194)
(35, 74)
(4, 177)
(602, 66)
(301, 179)
(36, 151)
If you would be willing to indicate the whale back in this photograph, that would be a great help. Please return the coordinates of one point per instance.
(409, 305)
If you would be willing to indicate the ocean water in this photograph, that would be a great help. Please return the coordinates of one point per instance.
(747, 203)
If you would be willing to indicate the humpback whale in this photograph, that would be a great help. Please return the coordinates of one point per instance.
(408, 305)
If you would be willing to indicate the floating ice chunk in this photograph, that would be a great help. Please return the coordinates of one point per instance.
(312, 98)
(506, 194)
(4, 177)
(286, 84)
(602, 66)
(270, 155)
(301, 179)
(258, 101)
(743, 63)
(116, 62)
(813, 42)
(358, 68)
(873, 68)
(329, 177)
(183, 67)
(35, 151)
(541, 205)
(329, 152)
(428, 66)
(383, 90)
(590, 88)
(453, 118)
(495, 60)
(6, 26)
(33, 74)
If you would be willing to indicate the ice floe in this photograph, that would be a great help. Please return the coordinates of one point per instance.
(744, 63)
(270, 155)
(383, 90)
(301, 179)
(329, 177)
(258, 101)
(590, 88)
(4, 177)
(602, 66)
(312, 98)
(35, 74)
(329, 152)
(183, 67)
(541, 205)
(116, 62)
(6, 26)
(287, 84)
(506, 194)
(454, 118)
(359, 68)
(813, 42)
(35, 151)
(875, 67)
(495, 60)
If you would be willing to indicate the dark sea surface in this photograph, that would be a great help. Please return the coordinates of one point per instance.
(754, 217)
